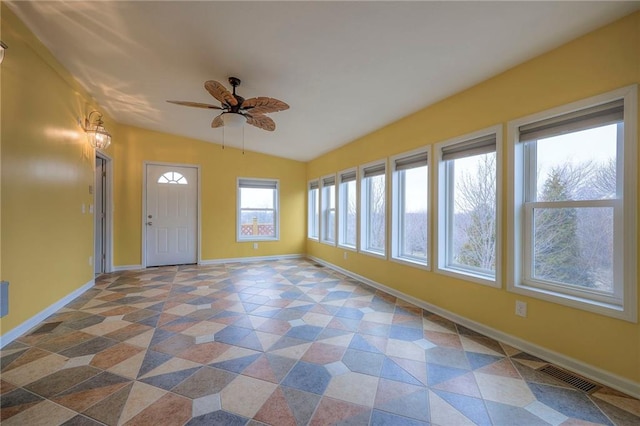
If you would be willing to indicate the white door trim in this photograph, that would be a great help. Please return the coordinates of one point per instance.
(108, 232)
(144, 207)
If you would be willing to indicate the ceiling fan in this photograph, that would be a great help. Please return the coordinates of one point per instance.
(236, 109)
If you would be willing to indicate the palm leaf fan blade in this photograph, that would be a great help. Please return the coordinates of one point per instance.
(219, 92)
(261, 122)
(264, 105)
(194, 104)
(217, 122)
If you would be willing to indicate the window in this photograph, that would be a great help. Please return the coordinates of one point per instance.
(410, 208)
(373, 206)
(347, 209)
(468, 206)
(173, 178)
(313, 209)
(328, 210)
(574, 205)
(257, 209)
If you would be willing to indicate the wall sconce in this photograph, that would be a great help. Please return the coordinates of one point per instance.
(97, 135)
(3, 47)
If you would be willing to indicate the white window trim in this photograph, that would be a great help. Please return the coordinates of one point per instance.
(395, 221)
(276, 213)
(321, 232)
(628, 309)
(363, 220)
(309, 212)
(340, 211)
(441, 213)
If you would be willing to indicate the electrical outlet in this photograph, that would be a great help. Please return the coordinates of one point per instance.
(90, 260)
(255, 246)
(521, 308)
(345, 255)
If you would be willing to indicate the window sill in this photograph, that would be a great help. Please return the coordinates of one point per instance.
(329, 243)
(374, 254)
(612, 310)
(256, 240)
(469, 276)
(350, 248)
(413, 263)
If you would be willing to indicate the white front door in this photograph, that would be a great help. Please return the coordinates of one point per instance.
(171, 215)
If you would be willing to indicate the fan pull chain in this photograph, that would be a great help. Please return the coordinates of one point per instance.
(242, 138)
(222, 137)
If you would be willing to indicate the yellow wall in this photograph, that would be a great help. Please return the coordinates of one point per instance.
(219, 170)
(606, 59)
(47, 167)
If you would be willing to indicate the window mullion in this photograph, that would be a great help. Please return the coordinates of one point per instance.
(400, 213)
(450, 185)
(527, 263)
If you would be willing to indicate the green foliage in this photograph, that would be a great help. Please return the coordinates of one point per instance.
(557, 255)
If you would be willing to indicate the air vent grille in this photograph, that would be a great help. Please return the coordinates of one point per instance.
(570, 379)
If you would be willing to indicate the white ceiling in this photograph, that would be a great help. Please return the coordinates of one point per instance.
(346, 68)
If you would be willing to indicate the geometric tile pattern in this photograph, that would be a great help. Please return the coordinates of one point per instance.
(281, 343)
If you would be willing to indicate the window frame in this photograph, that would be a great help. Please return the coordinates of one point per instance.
(397, 219)
(325, 209)
(444, 199)
(364, 210)
(343, 210)
(625, 215)
(276, 209)
(313, 211)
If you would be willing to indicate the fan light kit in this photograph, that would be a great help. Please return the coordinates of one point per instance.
(233, 119)
(237, 110)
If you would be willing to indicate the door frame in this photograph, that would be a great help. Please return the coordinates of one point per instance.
(144, 207)
(108, 208)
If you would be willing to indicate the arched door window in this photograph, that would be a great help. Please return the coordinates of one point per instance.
(174, 178)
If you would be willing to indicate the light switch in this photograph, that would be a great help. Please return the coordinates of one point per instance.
(91, 208)
(84, 208)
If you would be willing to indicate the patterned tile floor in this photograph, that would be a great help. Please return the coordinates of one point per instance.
(279, 343)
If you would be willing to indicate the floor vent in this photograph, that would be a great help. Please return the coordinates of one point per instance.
(46, 328)
(570, 379)
(317, 265)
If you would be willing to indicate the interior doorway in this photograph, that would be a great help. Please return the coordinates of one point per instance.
(102, 216)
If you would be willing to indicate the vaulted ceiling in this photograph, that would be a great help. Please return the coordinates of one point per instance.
(345, 68)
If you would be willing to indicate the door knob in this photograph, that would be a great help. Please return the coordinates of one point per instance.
(149, 223)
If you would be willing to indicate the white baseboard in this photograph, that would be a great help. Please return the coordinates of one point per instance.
(120, 268)
(250, 259)
(18, 331)
(597, 374)
(220, 261)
